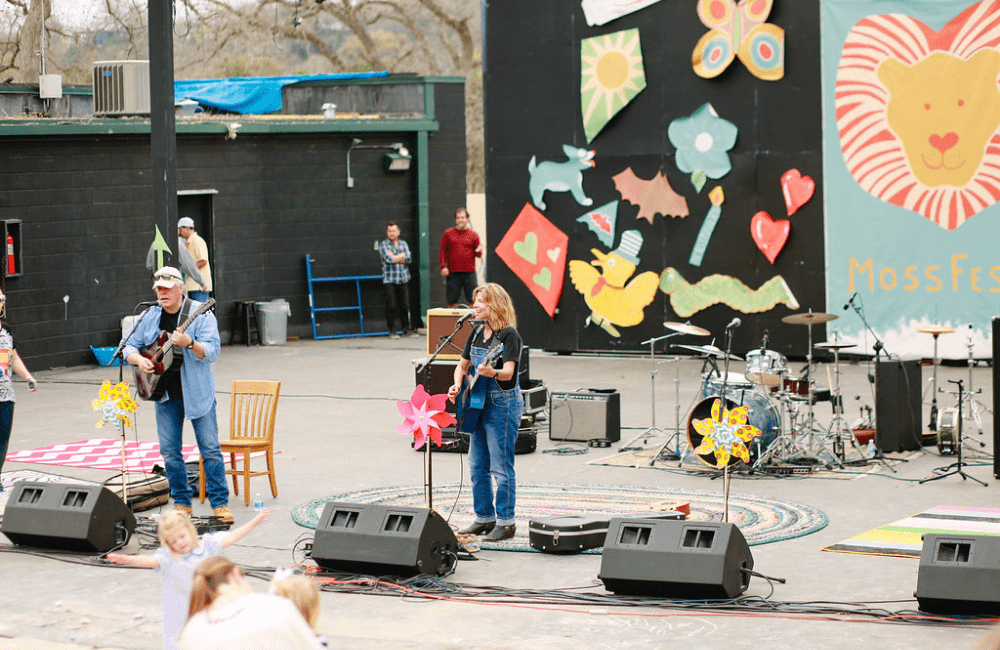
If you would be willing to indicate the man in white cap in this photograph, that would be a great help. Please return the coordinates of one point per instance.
(196, 246)
(189, 389)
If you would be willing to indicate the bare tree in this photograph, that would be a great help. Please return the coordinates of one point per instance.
(21, 38)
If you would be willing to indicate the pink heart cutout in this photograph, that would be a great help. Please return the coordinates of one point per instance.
(798, 189)
(770, 235)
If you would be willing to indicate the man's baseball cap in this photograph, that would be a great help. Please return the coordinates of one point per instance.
(167, 277)
(185, 222)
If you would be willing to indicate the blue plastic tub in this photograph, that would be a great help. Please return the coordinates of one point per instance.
(104, 356)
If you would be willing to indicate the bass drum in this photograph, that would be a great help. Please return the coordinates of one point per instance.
(762, 414)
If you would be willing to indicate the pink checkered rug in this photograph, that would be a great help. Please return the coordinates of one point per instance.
(102, 453)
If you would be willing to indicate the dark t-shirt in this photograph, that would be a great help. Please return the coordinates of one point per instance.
(511, 341)
(172, 376)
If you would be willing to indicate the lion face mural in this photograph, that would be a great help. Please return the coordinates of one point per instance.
(944, 110)
(918, 112)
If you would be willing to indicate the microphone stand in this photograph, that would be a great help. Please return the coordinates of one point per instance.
(956, 467)
(121, 377)
(423, 371)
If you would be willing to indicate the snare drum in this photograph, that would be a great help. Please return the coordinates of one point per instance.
(762, 414)
(735, 384)
(795, 386)
(766, 367)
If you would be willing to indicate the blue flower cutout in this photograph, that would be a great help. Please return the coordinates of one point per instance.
(702, 141)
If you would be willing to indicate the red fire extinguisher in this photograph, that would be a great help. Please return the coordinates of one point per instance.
(10, 255)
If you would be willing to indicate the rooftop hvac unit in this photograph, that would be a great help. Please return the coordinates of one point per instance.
(121, 88)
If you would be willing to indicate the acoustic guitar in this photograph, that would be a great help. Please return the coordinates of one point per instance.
(160, 352)
(472, 399)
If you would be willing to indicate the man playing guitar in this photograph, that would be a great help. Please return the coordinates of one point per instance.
(189, 387)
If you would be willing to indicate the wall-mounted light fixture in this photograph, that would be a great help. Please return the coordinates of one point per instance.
(399, 160)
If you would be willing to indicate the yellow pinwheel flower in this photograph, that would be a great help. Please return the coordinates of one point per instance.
(725, 434)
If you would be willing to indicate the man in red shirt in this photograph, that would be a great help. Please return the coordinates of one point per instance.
(460, 247)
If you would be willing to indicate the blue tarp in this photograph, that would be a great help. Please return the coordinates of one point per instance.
(250, 95)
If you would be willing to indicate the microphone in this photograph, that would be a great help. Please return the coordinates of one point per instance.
(149, 303)
(478, 321)
(850, 302)
(736, 322)
(466, 316)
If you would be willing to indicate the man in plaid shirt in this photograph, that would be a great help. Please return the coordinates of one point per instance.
(395, 256)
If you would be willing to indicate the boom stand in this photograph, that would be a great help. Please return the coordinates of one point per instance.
(956, 467)
(653, 429)
(423, 370)
(121, 377)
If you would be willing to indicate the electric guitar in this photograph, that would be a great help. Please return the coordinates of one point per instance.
(160, 352)
(472, 399)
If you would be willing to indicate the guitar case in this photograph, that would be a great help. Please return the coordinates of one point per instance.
(567, 533)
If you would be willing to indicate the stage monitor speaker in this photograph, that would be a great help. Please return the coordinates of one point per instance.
(996, 396)
(67, 516)
(959, 574)
(383, 540)
(441, 323)
(898, 407)
(594, 413)
(675, 559)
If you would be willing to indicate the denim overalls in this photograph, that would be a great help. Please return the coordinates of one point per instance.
(491, 449)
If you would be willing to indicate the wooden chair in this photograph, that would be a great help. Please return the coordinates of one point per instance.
(252, 410)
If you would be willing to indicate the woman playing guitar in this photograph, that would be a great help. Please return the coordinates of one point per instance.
(491, 445)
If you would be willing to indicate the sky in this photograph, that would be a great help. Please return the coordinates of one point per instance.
(78, 12)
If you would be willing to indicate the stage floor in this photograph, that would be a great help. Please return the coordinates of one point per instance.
(336, 431)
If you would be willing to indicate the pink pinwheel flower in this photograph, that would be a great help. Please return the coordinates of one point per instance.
(423, 416)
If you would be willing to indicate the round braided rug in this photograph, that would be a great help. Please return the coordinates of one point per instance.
(761, 519)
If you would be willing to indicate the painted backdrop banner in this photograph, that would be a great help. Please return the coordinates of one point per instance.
(912, 170)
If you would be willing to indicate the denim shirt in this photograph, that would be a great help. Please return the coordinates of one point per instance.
(197, 375)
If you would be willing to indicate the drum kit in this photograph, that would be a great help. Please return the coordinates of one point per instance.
(780, 404)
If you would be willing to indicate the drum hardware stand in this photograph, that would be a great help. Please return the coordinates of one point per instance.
(956, 467)
(653, 429)
(975, 406)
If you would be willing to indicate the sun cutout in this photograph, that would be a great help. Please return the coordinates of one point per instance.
(611, 75)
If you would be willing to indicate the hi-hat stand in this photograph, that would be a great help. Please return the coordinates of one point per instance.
(976, 408)
(956, 467)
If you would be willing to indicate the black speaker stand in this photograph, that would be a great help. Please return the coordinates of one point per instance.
(956, 467)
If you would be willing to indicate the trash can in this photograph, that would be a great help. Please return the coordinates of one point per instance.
(274, 321)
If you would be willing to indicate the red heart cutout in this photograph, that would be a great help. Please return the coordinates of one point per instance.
(798, 189)
(770, 235)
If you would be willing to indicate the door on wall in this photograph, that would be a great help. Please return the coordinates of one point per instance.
(199, 205)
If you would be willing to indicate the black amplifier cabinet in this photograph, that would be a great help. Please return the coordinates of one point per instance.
(594, 413)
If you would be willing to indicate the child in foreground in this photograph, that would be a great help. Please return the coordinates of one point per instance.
(304, 594)
(180, 552)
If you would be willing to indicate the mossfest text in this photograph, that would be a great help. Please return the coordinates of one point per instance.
(956, 275)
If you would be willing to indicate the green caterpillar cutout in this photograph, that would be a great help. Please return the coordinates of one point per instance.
(687, 299)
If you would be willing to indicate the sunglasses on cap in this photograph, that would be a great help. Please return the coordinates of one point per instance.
(165, 276)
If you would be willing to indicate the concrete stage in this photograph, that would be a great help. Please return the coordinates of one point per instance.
(336, 433)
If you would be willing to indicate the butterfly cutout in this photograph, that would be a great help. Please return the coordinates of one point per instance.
(739, 30)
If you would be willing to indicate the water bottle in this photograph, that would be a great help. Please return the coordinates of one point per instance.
(258, 502)
(871, 447)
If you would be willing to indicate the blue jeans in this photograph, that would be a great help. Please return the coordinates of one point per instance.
(455, 282)
(6, 422)
(200, 296)
(491, 455)
(170, 428)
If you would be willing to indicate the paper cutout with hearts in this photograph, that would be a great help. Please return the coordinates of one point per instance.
(770, 235)
(535, 250)
(797, 189)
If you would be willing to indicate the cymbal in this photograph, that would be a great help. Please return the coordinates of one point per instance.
(936, 329)
(687, 328)
(809, 318)
(834, 345)
(709, 351)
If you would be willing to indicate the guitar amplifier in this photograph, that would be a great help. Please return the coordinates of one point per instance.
(441, 323)
(594, 413)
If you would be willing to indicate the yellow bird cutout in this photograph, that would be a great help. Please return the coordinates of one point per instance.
(613, 298)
